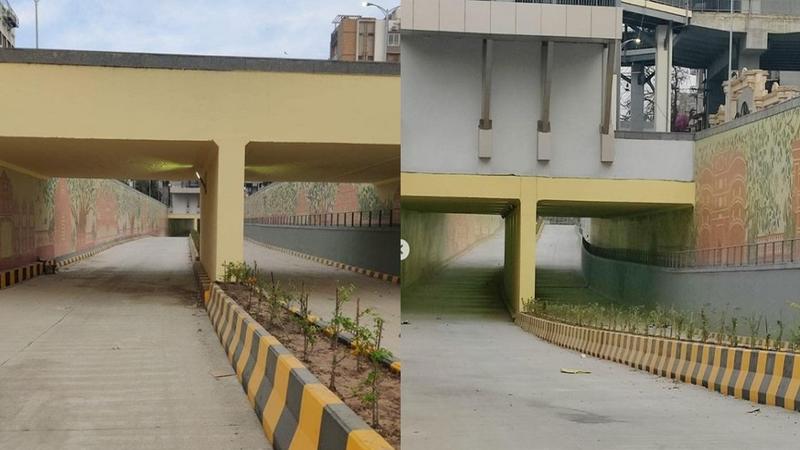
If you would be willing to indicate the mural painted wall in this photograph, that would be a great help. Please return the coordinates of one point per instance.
(748, 190)
(314, 198)
(47, 218)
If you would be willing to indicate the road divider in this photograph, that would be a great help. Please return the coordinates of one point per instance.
(759, 376)
(295, 409)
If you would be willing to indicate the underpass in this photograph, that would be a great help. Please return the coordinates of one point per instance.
(115, 352)
(474, 380)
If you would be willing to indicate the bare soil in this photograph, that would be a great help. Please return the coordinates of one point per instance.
(349, 378)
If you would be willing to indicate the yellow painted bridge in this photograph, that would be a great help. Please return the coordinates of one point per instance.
(145, 116)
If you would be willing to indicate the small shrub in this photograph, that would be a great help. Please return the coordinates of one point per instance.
(733, 337)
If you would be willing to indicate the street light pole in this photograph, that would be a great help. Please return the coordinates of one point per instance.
(380, 55)
(36, 9)
(624, 47)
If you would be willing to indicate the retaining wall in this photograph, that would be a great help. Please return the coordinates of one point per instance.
(760, 376)
(741, 292)
(376, 249)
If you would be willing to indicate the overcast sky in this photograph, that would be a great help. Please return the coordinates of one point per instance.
(279, 28)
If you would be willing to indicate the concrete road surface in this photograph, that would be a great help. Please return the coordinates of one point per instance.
(474, 380)
(320, 281)
(114, 353)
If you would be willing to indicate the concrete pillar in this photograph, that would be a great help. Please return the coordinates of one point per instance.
(663, 106)
(544, 137)
(637, 97)
(380, 40)
(222, 207)
(520, 254)
(606, 132)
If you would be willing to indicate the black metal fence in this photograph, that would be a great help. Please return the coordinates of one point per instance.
(779, 252)
(367, 219)
(767, 7)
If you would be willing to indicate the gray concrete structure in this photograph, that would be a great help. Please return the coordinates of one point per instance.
(114, 352)
(367, 248)
(474, 380)
(742, 292)
(443, 74)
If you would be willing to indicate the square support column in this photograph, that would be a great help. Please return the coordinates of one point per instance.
(520, 254)
(663, 105)
(637, 97)
(544, 137)
(222, 209)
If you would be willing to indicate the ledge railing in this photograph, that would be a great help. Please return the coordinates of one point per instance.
(352, 219)
(771, 253)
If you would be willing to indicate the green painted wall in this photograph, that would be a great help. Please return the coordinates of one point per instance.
(434, 239)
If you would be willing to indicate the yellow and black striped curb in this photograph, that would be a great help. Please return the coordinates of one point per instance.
(394, 279)
(760, 376)
(16, 275)
(62, 261)
(295, 409)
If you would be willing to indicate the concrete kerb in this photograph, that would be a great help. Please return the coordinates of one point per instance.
(394, 279)
(16, 275)
(760, 376)
(295, 409)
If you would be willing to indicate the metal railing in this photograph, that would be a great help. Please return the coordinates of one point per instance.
(779, 252)
(566, 2)
(767, 7)
(351, 219)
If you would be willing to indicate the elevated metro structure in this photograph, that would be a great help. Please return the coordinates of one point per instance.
(224, 119)
(696, 34)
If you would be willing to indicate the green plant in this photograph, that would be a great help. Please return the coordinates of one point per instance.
(795, 337)
(691, 329)
(361, 334)
(370, 387)
(678, 324)
(723, 322)
(703, 326)
(780, 333)
(753, 324)
(306, 326)
(338, 322)
(733, 337)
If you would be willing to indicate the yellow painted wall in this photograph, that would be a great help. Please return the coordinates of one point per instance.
(198, 105)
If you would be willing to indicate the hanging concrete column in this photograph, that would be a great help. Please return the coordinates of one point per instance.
(222, 207)
(609, 75)
(485, 124)
(544, 140)
(663, 105)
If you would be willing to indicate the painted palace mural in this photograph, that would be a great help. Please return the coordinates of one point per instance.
(45, 218)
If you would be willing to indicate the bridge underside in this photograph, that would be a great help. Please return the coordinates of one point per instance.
(521, 199)
(113, 115)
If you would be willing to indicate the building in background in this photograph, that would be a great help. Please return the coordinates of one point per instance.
(8, 22)
(184, 207)
(354, 38)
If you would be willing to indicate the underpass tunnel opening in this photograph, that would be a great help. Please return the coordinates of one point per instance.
(579, 246)
(62, 199)
(460, 251)
(336, 202)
